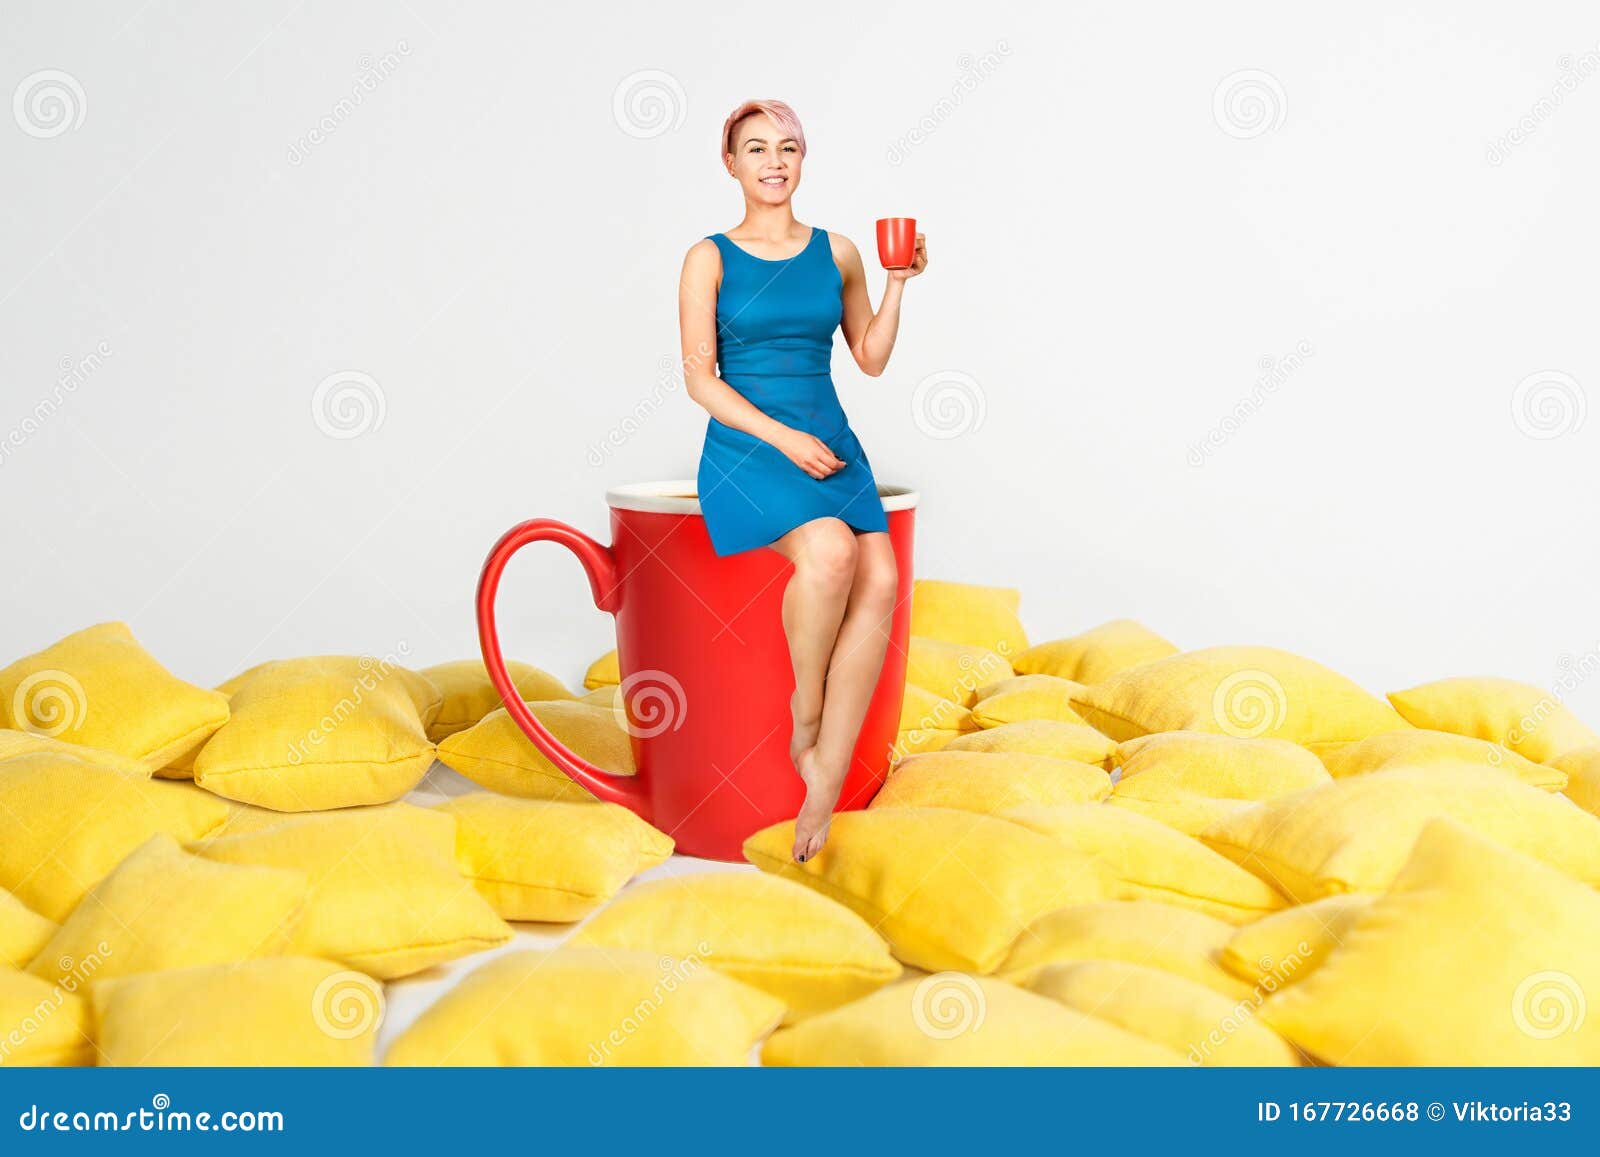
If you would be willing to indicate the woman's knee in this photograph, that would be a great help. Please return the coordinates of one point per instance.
(828, 553)
(878, 576)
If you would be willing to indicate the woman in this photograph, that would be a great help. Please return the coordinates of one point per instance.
(780, 466)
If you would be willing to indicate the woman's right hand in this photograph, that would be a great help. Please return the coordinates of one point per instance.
(809, 452)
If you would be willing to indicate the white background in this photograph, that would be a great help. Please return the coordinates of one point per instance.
(490, 238)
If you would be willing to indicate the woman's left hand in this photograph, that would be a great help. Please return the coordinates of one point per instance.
(919, 261)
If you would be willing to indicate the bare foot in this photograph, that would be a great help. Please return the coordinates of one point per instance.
(822, 792)
(806, 726)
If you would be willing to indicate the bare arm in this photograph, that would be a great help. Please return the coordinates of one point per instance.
(697, 326)
(871, 335)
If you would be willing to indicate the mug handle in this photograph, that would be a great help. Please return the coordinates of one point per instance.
(601, 566)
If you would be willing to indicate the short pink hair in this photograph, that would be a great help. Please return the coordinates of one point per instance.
(782, 116)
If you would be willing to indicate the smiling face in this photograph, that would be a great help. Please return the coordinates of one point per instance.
(766, 162)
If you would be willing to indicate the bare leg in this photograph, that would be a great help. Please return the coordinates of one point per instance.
(823, 552)
(853, 670)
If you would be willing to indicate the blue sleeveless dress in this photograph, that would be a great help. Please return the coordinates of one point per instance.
(775, 325)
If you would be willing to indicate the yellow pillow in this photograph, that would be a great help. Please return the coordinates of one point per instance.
(1219, 766)
(468, 694)
(1354, 834)
(1096, 654)
(100, 688)
(1049, 737)
(65, 823)
(1026, 697)
(496, 754)
(1189, 780)
(1478, 955)
(977, 616)
(946, 888)
(22, 932)
(246, 820)
(549, 860)
(605, 671)
(386, 897)
(42, 1024)
(1582, 769)
(1422, 748)
(1205, 1026)
(920, 743)
(590, 1006)
(1246, 692)
(928, 723)
(165, 908)
(1147, 860)
(771, 933)
(1183, 812)
(1287, 946)
(14, 743)
(951, 1018)
(282, 1010)
(983, 781)
(953, 671)
(1527, 719)
(324, 732)
(1157, 935)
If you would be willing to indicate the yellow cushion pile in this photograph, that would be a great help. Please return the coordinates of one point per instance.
(1530, 721)
(1476, 955)
(947, 889)
(975, 616)
(1026, 697)
(282, 1010)
(468, 694)
(494, 753)
(550, 860)
(1190, 779)
(1424, 748)
(953, 671)
(1354, 834)
(989, 781)
(385, 895)
(787, 940)
(1246, 692)
(929, 723)
(1096, 654)
(1147, 860)
(590, 1006)
(322, 732)
(98, 687)
(951, 1018)
(1051, 737)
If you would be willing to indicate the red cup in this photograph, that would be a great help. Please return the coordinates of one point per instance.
(897, 242)
(706, 674)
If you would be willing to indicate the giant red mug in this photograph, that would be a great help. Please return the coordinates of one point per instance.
(706, 676)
